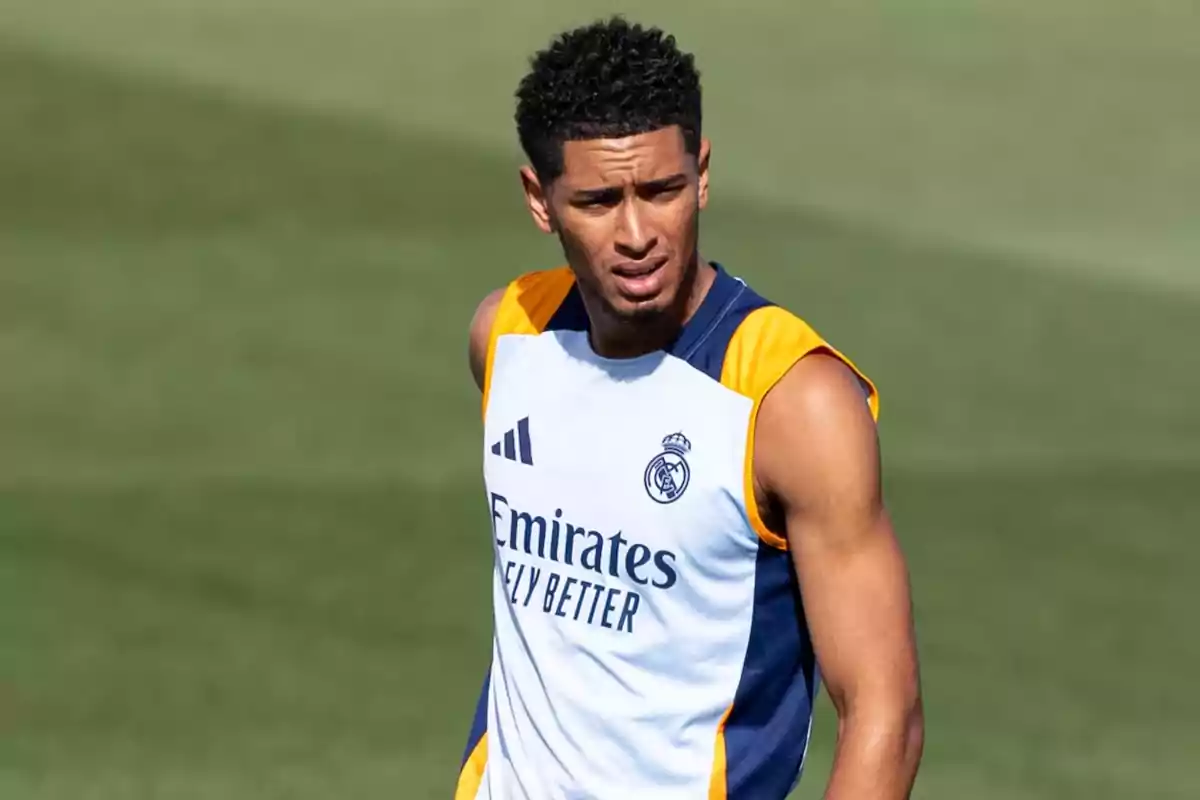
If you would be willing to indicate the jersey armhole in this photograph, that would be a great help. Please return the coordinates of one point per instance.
(749, 489)
(765, 347)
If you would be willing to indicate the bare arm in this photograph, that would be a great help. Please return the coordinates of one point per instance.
(817, 463)
(480, 332)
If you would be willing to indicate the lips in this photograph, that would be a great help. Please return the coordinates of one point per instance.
(641, 280)
(639, 269)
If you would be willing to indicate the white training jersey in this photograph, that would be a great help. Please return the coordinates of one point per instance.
(649, 639)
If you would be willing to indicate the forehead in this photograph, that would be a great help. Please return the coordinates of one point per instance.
(641, 157)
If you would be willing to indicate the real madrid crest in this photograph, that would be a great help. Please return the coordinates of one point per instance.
(668, 473)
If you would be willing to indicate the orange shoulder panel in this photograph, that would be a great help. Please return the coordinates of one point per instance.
(765, 346)
(526, 308)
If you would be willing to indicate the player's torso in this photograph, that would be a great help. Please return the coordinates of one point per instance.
(649, 636)
(624, 580)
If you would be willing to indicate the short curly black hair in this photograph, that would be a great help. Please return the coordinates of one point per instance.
(609, 79)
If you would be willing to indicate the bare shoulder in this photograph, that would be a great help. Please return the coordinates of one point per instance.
(819, 380)
(819, 388)
(480, 332)
(816, 444)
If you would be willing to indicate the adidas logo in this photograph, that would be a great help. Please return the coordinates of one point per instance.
(515, 445)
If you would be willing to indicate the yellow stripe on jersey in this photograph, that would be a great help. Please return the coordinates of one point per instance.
(526, 308)
(717, 786)
(471, 777)
(769, 341)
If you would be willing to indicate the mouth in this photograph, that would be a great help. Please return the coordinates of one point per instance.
(639, 269)
(639, 281)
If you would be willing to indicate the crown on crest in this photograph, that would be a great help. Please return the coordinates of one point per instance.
(677, 443)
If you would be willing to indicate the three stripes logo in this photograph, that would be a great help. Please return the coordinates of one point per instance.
(515, 446)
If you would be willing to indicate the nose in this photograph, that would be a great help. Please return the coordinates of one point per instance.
(634, 238)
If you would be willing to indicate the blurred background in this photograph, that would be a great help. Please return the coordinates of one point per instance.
(243, 546)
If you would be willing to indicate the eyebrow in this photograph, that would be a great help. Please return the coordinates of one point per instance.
(606, 192)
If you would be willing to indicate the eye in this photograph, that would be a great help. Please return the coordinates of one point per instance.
(664, 191)
(598, 200)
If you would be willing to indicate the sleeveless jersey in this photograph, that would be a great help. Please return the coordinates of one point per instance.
(649, 640)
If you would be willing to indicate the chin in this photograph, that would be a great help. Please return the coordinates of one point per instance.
(641, 308)
(645, 305)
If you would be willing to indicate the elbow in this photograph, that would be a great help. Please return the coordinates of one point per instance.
(894, 731)
(904, 728)
(913, 733)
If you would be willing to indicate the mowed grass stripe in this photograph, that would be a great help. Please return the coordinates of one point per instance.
(1056, 128)
(261, 639)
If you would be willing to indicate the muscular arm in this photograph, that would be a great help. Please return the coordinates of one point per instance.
(817, 465)
(480, 332)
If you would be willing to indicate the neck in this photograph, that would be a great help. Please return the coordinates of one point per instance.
(613, 337)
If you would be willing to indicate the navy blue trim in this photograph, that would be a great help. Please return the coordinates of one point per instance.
(479, 722)
(706, 336)
(570, 314)
(766, 733)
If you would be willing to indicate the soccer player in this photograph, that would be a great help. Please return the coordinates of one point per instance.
(683, 479)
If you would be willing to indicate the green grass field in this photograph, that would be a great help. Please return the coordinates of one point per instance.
(242, 536)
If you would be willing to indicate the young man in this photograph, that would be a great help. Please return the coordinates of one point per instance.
(683, 480)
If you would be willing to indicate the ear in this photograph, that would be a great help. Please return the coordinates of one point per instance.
(536, 200)
(702, 163)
